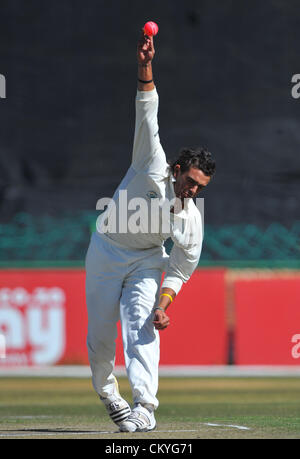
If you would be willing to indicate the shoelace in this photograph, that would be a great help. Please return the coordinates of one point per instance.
(134, 415)
(138, 418)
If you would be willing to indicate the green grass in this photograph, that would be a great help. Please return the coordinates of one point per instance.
(69, 408)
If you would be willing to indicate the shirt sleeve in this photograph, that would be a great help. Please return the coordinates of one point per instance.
(146, 138)
(181, 265)
(183, 261)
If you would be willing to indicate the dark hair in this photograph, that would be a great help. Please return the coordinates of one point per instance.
(199, 158)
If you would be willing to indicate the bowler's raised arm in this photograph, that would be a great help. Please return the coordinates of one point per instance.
(145, 54)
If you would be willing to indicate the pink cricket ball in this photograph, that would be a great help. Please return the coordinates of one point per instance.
(150, 28)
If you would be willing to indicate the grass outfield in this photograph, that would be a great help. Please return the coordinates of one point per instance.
(237, 408)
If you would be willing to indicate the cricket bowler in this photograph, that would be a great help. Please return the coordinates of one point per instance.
(124, 267)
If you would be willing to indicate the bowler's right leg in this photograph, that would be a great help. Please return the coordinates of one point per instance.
(103, 291)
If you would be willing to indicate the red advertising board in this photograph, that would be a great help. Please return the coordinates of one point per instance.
(267, 330)
(44, 321)
(43, 317)
(197, 332)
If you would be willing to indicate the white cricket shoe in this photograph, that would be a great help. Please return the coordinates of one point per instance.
(140, 420)
(117, 408)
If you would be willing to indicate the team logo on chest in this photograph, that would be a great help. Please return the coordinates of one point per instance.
(152, 194)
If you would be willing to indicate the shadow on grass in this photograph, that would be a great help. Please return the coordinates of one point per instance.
(55, 431)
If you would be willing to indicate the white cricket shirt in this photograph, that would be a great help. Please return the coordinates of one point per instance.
(149, 177)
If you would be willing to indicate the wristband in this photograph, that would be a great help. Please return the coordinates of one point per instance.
(145, 82)
(158, 307)
(166, 294)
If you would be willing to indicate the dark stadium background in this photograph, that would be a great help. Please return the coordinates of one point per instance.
(223, 71)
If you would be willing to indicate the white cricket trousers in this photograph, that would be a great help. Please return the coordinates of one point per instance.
(123, 284)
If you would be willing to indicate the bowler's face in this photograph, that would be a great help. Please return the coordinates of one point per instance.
(188, 184)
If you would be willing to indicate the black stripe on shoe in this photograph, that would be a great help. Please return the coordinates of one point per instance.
(120, 415)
